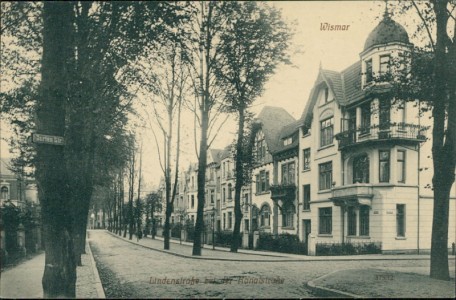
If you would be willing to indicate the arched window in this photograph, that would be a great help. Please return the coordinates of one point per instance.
(4, 193)
(265, 216)
(361, 169)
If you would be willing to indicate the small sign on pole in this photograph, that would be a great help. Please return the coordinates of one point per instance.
(48, 139)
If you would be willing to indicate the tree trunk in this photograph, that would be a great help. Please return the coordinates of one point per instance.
(442, 150)
(239, 182)
(199, 226)
(59, 278)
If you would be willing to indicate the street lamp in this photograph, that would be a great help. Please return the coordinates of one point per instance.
(180, 227)
(213, 228)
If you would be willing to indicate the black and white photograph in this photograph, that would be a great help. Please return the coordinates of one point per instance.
(228, 149)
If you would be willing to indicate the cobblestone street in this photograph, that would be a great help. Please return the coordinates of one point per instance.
(129, 270)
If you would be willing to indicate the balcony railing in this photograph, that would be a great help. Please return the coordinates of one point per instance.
(392, 131)
(283, 192)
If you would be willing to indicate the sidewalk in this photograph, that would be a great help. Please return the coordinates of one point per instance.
(383, 283)
(24, 280)
(222, 253)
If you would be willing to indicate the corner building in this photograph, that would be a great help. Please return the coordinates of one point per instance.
(364, 157)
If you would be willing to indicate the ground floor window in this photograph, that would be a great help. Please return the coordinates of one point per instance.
(364, 220)
(351, 220)
(265, 216)
(400, 220)
(230, 216)
(325, 220)
(287, 216)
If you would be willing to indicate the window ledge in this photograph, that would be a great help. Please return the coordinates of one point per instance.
(306, 210)
(401, 238)
(364, 134)
(261, 193)
(325, 235)
(324, 191)
(306, 170)
(326, 146)
(265, 227)
(358, 237)
(306, 135)
(288, 228)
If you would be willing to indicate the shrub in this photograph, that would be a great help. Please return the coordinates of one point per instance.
(285, 243)
(176, 230)
(225, 237)
(326, 249)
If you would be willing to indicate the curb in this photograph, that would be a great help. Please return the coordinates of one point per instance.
(98, 285)
(322, 258)
(327, 292)
(198, 257)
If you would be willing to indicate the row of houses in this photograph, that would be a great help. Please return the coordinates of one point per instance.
(355, 167)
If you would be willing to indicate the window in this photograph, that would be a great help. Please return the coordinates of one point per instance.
(230, 191)
(223, 195)
(287, 216)
(262, 182)
(4, 193)
(193, 201)
(400, 220)
(325, 171)
(361, 169)
(384, 64)
(246, 202)
(193, 219)
(230, 216)
(385, 115)
(351, 220)
(325, 220)
(212, 196)
(265, 216)
(364, 220)
(368, 70)
(401, 166)
(260, 150)
(224, 220)
(288, 173)
(365, 117)
(384, 157)
(306, 196)
(326, 94)
(288, 141)
(306, 159)
(402, 115)
(326, 132)
(193, 182)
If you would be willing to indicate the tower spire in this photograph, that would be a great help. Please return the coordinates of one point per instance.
(386, 13)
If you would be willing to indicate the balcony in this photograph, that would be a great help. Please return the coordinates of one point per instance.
(284, 192)
(391, 132)
(353, 195)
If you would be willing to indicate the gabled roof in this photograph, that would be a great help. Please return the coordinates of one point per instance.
(345, 85)
(274, 121)
(214, 156)
(225, 153)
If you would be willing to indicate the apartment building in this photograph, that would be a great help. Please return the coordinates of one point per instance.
(356, 167)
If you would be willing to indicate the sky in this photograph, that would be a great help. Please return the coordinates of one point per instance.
(290, 86)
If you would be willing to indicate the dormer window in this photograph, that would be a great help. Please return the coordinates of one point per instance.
(288, 141)
(384, 64)
(326, 94)
(368, 71)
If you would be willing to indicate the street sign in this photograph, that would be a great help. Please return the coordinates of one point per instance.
(47, 139)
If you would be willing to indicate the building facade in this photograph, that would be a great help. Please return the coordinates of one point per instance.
(355, 168)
